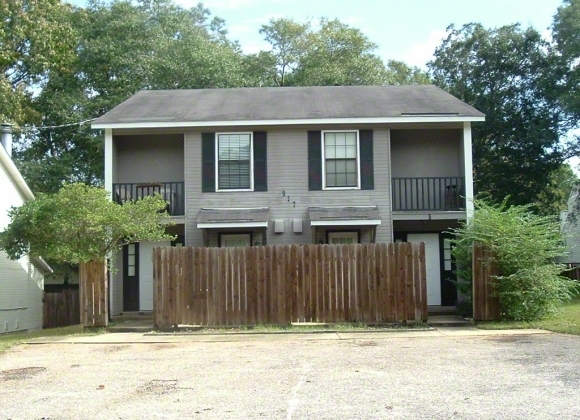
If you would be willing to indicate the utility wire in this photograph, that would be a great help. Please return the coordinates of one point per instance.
(50, 127)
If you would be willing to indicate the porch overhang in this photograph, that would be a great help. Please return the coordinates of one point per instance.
(344, 216)
(221, 218)
(429, 215)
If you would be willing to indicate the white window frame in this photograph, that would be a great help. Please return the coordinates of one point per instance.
(352, 234)
(225, 236)
(217, 161)
(324, 187)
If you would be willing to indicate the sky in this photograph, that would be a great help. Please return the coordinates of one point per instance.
(406, 30)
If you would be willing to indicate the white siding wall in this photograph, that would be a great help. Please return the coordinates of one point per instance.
(21, 284)
(287, 171)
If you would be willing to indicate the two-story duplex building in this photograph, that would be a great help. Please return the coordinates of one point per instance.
(293, 165)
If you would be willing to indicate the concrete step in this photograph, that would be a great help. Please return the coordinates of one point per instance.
(448, 321)
(141, 325)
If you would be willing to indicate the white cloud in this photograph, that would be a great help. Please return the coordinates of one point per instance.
(419, 53)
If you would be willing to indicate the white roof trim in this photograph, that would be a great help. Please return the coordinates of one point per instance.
(342, 222)
(15, 174)
(219, 225)
(305, 121)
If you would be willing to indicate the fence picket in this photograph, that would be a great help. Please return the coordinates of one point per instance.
(284, 284)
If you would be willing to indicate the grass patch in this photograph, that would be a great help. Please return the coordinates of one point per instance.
(566, 321)
(12, 339)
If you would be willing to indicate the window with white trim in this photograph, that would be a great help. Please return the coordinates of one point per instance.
(340, 238)
(340, 159)
(235, 240)
(235, 161)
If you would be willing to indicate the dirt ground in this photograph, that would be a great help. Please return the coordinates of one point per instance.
(494, 377)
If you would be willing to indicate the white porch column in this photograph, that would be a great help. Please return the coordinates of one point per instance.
(468, 163)
(109, 188)
(109, 161)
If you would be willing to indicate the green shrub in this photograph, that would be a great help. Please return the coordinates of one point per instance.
(525, 246)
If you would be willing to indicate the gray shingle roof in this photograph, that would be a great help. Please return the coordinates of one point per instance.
(287, 103)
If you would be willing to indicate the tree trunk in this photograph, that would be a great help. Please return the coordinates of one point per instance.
(93, 293)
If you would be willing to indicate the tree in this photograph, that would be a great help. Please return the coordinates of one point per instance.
(559, 186)
(79, 224)
(566, 35)
(36, 36)
(513, 76)
(525, 245)
(121, 47)
(327, 54)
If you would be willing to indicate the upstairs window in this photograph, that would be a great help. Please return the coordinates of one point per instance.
(340, 159)
(235, 164)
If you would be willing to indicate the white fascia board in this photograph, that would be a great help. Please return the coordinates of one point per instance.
(232, 225)
(15, 175)
(433, 215)
(313, 121)
(353, 222)
(41, 264)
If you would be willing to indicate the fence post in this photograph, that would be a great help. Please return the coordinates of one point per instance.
(93, 289)
(485, 272)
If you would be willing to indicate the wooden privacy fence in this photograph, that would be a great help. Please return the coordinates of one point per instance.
(93, 287)
(281, 284)
(485, 270)
(60, 308)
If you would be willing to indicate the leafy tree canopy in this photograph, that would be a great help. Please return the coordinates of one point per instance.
(80, 224)
(525, 246)
(513, 76)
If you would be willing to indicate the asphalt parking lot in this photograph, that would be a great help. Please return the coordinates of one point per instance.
(378, 376)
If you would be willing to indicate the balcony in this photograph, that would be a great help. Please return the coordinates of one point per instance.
(428, 194)
(172, 192)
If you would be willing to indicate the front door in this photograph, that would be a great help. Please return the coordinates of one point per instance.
(131, 277)
(146, 273)
(433, 264)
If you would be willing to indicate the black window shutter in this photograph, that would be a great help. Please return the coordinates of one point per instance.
(260, 161)
(314, 161)
(208, 162)
(367, 175)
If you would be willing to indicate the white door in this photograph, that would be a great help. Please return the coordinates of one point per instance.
(146, 273)
(433, 264)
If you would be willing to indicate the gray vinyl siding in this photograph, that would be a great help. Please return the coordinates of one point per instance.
(116, 166)
(427, 153)
(148, 158)
(288, 172)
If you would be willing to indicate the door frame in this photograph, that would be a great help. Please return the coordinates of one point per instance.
(127, 303)
(448, 289)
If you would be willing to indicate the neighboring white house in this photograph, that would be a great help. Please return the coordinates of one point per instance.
(21, 282)
(571, 231)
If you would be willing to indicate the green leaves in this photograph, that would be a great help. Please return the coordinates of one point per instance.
(80, 223)
(513, 76)
(526, 247)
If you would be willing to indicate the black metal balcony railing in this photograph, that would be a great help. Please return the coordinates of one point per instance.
(172, 192)
(439, 193)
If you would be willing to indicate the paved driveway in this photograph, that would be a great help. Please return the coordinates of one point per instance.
(375, 376)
